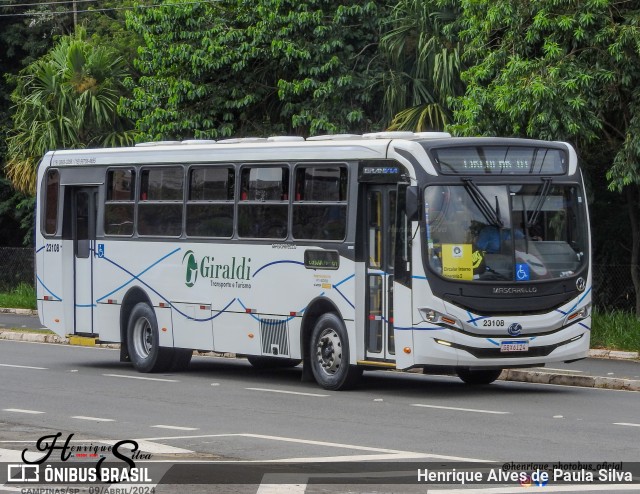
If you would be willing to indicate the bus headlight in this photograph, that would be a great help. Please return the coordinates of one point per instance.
(578, 314)
(435, 317)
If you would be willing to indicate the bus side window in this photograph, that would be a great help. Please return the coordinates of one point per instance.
(161, 199)
(210, 202)
(120, 202)
(320, 204)
(263, 211)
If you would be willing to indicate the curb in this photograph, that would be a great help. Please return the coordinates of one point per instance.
(20, 312)
(518, 375)
(540, 377)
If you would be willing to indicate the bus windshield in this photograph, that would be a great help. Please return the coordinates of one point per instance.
(506, 232)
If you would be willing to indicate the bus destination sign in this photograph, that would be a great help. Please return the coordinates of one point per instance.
(498, 160)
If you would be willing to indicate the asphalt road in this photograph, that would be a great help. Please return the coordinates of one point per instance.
(622, 369)
(224, 408)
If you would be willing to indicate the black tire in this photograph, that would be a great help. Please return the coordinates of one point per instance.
(478, 377)
(272, 362)
(143, 341)
(329, 354)
(180, 359)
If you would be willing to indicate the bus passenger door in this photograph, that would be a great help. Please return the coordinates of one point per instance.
(379, 332)
(84, 214)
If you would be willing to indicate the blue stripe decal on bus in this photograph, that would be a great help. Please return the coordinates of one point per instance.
(162, 296)
(84, 306)
(40, 249)
(419, 277)
(344, 281)
(474, 319)
(581, 299)
(493, 341)
(276, 262)
(47, 289)
(270, 322)
(584, 326)
(134, 277)
(471, 319)
(342, 295)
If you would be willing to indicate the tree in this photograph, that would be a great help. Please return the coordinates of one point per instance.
(238, 68)
(560, 69)
(66, 99)
(423, 53)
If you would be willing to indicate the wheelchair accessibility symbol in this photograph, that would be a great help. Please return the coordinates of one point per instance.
(523, 272)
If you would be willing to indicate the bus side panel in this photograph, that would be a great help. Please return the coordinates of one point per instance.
(192, 326)
(403, 325)
(108, 322)
(50, 287)
(165, 326)
(237, 332)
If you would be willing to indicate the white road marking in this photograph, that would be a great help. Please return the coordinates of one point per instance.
(154, 448)
(461, 409)
(10, 456)
(627, 424)
(143, 378)
(547, 488)
(393, 453)
(287, 392)
(23, 367)
(95, 419)
(18, 410)
(175, 427)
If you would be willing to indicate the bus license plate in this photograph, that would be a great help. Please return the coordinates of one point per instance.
(514, 346)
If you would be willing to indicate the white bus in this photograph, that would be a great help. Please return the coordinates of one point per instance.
(344, 252)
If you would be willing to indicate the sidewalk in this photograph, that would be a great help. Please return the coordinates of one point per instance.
(586, 373)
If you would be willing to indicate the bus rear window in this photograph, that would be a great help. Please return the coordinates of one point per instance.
(51, 204)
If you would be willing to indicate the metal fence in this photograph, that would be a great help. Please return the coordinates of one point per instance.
(612, 286)
(16, 266)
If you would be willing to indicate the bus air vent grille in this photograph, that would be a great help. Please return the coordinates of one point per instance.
(275, 337)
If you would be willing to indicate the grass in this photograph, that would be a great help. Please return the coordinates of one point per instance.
(615, 331)
(612, 330)
(21, 297)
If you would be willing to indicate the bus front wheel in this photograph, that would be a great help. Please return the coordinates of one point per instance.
(143, 341)
(478, 377)
(330, 354)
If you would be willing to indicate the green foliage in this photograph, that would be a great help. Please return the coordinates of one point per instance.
(423, 55)
(555, 69)
(21, 297)
(233, 67)
(67, 99)
(616, 331)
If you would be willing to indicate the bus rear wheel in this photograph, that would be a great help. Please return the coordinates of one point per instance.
(329, 354)
(144, 343)
(478, 377)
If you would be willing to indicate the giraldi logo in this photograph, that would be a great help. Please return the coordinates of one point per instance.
(239, 269)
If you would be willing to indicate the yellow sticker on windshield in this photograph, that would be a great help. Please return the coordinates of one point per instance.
(457, 261)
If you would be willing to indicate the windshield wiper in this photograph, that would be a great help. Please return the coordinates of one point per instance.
(479, 199)
(542, 197)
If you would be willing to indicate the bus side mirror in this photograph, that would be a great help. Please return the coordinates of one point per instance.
(412, 203)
